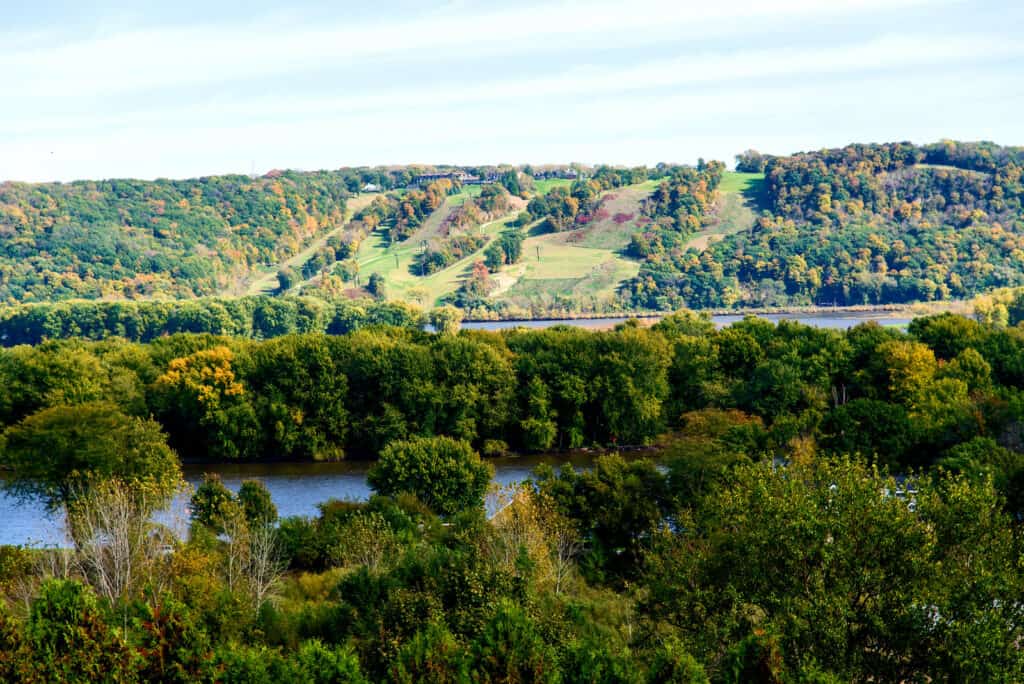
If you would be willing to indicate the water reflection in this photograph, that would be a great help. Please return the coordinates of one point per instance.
(837, 321)
(296, 488)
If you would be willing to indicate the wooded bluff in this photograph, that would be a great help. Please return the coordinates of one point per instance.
(863, 224)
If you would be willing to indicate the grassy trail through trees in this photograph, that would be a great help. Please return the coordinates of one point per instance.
(431, 227)
(618, 218)
(394, 262)
(585, 262)
(267, 283)
(736, 209)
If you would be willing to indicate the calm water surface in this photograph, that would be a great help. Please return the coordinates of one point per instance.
(296, 488)
(838, 320)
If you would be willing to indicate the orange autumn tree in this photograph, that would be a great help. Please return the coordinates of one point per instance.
(201, 397)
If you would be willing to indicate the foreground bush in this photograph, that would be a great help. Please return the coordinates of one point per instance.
(444, 473)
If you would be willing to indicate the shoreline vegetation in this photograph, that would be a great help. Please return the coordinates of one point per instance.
(896, 310)
(303, 395)
(748, 546)
(769, 500)
(265, 317)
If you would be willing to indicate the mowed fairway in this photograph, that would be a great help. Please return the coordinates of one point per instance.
(737, 181)
(551, 267)
(739, 200)
(586, 262)
(394, 264)
(265, 282)
(543, 187)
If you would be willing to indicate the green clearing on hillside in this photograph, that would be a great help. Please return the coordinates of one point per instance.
(264, 280)
(543, 187)
(736, 181)
(393, 262)
(741, 196)
(601, 279)
(587, 262)
(949, 167)
(562, 269)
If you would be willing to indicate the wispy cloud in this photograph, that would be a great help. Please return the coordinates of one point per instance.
(893, 53)
(643, 81)
(155, 57)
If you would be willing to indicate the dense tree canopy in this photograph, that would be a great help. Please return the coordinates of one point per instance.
(906, 399)
(444, 473)
(57, 453)
(827, 506)
(864, 224)
(258, 317)
(128, 238)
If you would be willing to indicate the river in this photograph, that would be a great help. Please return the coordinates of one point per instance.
(839, 320)
(296, 489)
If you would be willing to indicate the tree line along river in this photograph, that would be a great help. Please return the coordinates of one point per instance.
(297, 488)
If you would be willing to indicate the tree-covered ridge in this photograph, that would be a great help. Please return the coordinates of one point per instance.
(129, 238)
(875, 224)
(133, 239)
(861, 224)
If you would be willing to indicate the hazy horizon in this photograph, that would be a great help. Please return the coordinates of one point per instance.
(144, 91)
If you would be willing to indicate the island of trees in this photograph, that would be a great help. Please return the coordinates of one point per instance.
(815, 506)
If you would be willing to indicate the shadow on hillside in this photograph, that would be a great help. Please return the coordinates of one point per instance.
(541, 227)
(755, 194)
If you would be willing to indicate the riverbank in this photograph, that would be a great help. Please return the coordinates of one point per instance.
(650, 317)
(837, 319)
(297, 488)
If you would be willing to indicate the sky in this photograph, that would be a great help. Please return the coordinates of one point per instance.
(198, 87)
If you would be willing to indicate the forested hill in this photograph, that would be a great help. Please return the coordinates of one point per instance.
(863, 224)
(130, 238)
(886, 223)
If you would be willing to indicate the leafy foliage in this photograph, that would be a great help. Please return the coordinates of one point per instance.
(862, 224)
(131, 238)
(56, 454)
(444, 473)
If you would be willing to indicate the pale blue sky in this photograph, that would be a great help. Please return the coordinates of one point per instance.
(148, 89)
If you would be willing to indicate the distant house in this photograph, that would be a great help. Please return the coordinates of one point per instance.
(461, 176)
(567, 174)
(370, 187)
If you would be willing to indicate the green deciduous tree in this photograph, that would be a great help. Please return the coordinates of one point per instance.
(510, 649)
(445, 319)
(446, 474)
(842, 565)
(54, 454)
(617, 506)
(432, 656)
(210, 502)
(257, 505)
(68, 639)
